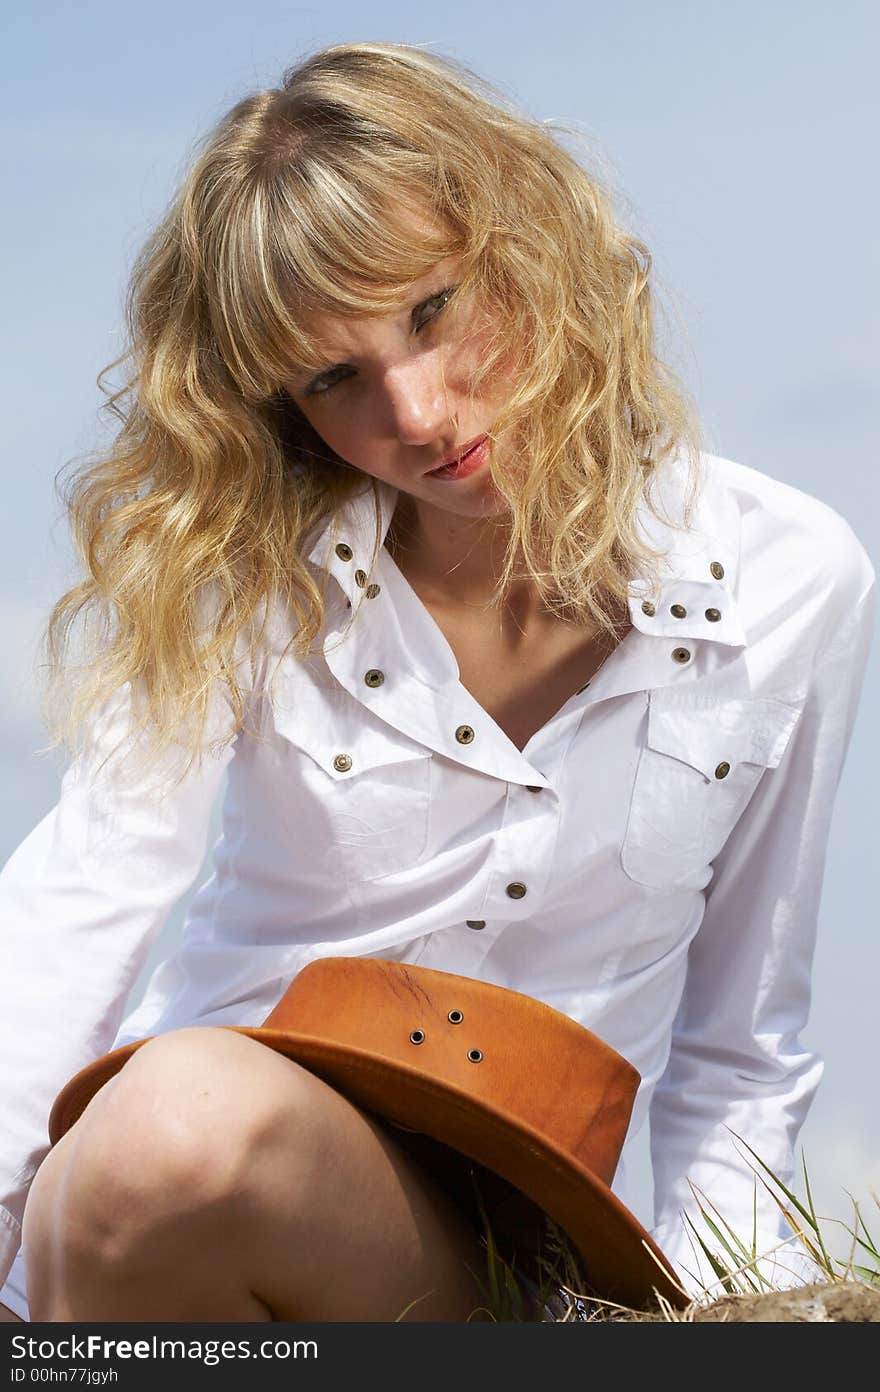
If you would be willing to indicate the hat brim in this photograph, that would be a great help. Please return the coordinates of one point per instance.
(622, 1261)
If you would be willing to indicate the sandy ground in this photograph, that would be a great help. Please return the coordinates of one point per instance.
(835, 1302)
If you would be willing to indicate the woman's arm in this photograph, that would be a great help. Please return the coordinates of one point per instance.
(82, 900)
(737, 1064)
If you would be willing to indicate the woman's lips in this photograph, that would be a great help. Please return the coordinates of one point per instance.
(468, 463)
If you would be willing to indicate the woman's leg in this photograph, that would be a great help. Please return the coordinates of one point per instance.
(214, 1179)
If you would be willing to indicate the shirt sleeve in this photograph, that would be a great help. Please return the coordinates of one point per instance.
(736, 1063)
(82, 900)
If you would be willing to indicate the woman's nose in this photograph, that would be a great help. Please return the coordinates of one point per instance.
(418, 402)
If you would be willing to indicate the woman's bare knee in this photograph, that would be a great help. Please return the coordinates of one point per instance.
(212, 1155)
(172, 1133)
(154, 1168)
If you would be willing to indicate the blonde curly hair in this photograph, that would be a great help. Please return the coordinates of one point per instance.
(192, 524)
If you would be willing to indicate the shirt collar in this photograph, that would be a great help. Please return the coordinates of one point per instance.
(695, 594)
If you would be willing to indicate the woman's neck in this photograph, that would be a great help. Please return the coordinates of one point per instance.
(454, 560)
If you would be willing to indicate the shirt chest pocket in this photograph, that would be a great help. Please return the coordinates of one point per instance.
(699, 765)
(363, 789)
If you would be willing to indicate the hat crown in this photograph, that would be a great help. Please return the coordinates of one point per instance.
(537, 1069)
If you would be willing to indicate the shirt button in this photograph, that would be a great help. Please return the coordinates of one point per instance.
(678, 611)
(360, 578)
(464, 734)
(516, 890)
(681, 655)
(722, 770)
(342, 763)
(713, 615)
(475, 922)
(534, 788)
(717, 570)
(372, 590)
(374, 677)
(648, 608)
(344, 552)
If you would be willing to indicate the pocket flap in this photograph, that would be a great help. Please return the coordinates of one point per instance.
(327, 722)
(705, 733)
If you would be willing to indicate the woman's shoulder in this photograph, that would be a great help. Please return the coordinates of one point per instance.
(792, 544)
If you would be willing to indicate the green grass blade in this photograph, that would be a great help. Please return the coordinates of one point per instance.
(808, 1217)
(818, 1229)
(717, 1266)
(868, 1243)
(743, 1250)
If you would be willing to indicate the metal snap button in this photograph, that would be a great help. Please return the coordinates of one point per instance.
(464, 734)
(648, 608)
(678, 611)
(455, 1017)
(372, 590)
(374, 677)
(417, 1036)
(475, 1055)
(344, 552)
(516, 890)
(681, 655)
(722, 770)
(713, 615)
(717, 570)
(342, 763)
(360, 578)
(475, 922)
(534, 788)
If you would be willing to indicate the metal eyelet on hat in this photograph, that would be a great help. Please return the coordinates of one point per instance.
(678, 611)
(681, 655)
(455, 1017)
(344, 552)
(475, 1055)
(717, 570)
(374, 677)
(417, 1036)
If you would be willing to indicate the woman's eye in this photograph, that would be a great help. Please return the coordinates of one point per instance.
(322, 384)
(440, 300)
(329, 379)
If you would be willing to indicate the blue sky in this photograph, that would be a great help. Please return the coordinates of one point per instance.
(739, 142)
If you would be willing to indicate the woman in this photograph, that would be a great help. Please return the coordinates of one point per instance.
(408, 532)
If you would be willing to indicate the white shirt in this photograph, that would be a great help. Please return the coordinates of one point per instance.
(669, 903)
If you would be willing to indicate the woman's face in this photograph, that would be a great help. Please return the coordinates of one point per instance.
(381, 404)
